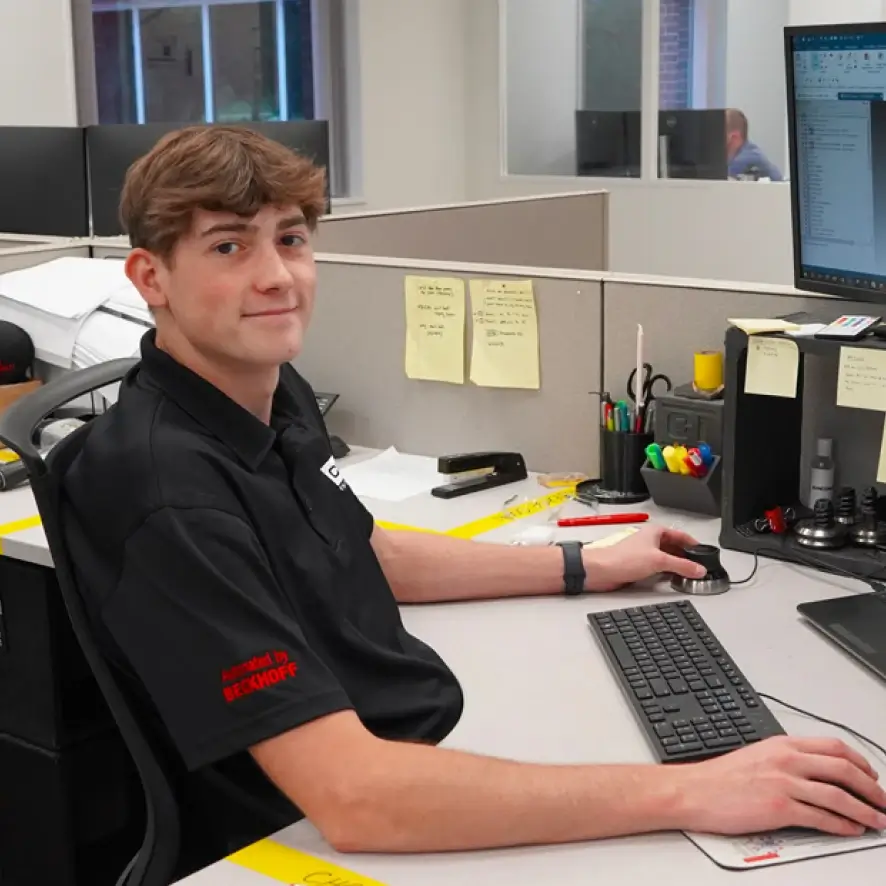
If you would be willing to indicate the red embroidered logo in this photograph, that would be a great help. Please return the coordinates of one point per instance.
(256, 674)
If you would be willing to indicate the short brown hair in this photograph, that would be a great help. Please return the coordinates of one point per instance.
(219, 169)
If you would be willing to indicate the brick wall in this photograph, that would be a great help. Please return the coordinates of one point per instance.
(675, 73)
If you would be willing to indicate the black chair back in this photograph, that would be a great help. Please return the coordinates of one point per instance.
(155, 862)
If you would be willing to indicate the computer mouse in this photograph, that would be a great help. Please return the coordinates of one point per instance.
(715, 580)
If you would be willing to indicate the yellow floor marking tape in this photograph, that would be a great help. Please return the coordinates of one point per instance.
(17, 526)
(290, 866)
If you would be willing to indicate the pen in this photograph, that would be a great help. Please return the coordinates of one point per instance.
(603, 520)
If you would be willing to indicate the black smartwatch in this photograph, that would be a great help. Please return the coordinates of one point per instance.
(573, 568)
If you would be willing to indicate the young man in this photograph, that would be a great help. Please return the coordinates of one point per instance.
(746, 158)
(251, 601)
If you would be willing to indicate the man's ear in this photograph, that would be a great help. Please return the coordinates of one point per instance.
(146, 272)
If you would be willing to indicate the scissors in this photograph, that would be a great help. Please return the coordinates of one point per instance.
(649, 380)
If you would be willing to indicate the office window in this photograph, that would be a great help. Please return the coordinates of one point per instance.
(574, 88)
(191, 61)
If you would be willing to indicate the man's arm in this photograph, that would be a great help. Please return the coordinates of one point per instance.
(425, 568)
(369, 795)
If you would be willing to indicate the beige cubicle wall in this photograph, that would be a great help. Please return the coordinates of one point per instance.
(550, 231)
(680, 317)
(28, 255)
(356, 348)
(110, 247)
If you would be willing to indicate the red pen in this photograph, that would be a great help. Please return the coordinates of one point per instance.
(603, 520)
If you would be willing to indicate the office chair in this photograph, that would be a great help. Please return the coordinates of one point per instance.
(154, 863)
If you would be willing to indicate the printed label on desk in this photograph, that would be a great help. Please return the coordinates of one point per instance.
(296, 868)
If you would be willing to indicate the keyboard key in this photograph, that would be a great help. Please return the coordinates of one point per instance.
(706, 733)
(719, 718)
(656, 718)
(620, 650)
(643, 693)
(695, 685)
(692, 746)
(663, 730)
(671, 708)
(678, 687)
(728, 742)
(659, 687)
(650, 705)
(667, 742)
(751, 703)
(699, 721)
(714, 682)
(728, 731)
(711, 708)
(747, 730)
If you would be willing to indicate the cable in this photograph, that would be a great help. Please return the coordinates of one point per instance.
(835, 723)
(810, 561)
(744, 581)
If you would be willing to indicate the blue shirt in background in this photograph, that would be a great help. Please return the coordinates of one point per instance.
(751, 160)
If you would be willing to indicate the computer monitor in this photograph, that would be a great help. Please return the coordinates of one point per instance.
(836, 79)
(113, 148)
(43, 181)
(692, 144)
(607, 143)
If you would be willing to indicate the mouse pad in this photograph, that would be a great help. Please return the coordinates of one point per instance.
(779, 847)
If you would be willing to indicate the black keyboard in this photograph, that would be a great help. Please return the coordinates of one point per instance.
(690, 698)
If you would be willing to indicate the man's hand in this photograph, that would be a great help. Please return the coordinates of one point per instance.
(783, 782)
(648, 552)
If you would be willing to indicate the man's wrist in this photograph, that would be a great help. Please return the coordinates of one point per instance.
(594, 570)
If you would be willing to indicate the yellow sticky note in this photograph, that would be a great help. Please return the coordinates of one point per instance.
(861, 383)
(505, 349)
(435, 329)
(773, 364)
(754, 326)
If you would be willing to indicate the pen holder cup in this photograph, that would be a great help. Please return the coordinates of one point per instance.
(680, 492)
(622, 455)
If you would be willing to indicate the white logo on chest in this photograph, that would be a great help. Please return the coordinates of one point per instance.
(330, 470)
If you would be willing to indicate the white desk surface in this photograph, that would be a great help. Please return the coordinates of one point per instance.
(538, 689)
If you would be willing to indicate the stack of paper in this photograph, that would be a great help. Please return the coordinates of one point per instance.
(52, 301)
(392, 476)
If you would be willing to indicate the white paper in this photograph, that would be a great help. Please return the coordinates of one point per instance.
(52, 301)
(805, 330)
(392, 476)
(70, 287)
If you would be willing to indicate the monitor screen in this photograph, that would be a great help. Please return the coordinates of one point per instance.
(43, 181)
(113, 148)
(837, 134)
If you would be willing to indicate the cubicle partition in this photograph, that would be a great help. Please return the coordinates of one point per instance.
(550, 231)
(356, 348)
(28, 254)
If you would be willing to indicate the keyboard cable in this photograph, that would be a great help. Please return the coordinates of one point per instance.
(877, 588)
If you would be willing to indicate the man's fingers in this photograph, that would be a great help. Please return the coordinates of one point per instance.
(842, 772)
(681, 566)
(674, 540)
(833, 747)
(812, 817)
(835, 800)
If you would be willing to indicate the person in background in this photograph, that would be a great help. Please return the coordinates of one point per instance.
(745, 158)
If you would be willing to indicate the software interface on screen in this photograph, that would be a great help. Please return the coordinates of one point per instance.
(840, 136)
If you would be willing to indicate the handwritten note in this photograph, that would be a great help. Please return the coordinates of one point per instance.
(861, 383)
(435, 329)
(505, 349)
(773, 365)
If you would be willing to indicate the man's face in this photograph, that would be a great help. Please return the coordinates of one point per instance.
(240, 291)
(734, 142)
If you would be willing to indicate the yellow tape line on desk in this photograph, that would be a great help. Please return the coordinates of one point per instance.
(17, 526)
(493, 521)
(290, 866)
(517, 512)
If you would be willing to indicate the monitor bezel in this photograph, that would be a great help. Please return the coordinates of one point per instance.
(800, 282)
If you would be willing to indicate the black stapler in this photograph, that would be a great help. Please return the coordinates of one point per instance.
(485, 470)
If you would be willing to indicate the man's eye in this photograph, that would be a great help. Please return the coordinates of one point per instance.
(226, 248)
(292, 240)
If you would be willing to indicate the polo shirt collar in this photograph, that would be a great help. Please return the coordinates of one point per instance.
(236, 427)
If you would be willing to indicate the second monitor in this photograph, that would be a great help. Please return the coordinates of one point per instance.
(692, 144)
(113, 148)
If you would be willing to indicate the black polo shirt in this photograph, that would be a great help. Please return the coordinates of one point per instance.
(229, 572)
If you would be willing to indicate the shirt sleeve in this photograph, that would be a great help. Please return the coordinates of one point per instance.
(207, 630)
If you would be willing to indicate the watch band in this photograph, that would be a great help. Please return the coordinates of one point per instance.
(573, 568)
